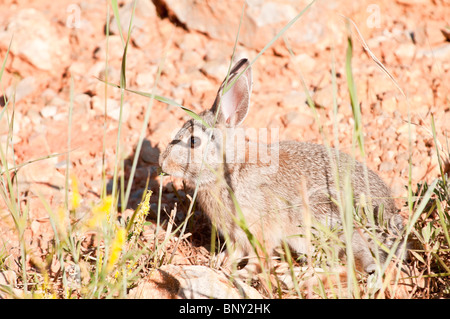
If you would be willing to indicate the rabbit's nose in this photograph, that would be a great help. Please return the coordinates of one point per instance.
(163, 164)
(161, 168)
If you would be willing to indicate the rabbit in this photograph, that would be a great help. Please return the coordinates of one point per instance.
(271, 200)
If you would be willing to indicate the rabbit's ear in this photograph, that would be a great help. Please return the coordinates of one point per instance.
(234, 101)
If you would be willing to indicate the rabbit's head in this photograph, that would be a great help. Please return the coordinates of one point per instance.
(190, 153)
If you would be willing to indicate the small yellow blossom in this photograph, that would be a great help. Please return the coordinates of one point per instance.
(116, 248)
(43, 289)
(61, 222)
(100, 213)
(139, 216)
(76, 198)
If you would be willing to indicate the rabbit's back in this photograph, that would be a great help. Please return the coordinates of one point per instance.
(322, 169)
(305, 174)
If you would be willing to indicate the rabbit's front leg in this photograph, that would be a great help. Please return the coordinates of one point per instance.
(236, 255)
(230, 258)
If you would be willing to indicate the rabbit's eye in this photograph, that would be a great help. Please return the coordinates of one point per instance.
(195, 142)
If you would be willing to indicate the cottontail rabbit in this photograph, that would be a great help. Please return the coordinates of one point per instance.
(271, 196)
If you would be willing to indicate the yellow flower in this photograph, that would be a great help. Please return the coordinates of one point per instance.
(76, 198)
(61, 222)
(100, 213)
(140, 216)
(116, 248)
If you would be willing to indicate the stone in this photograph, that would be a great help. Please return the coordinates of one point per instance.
(199, 86)
(144, 12)
(262, 20)
(419, 172)
(190, 60)
(323, 97)
(24, 88)
(49, 111)
(446, 33)
(191, 282)
(42, 171)
(204, 17)
(271, 13)
(191, 42)
(305, 62)
(411, 2)
(82, 102)
(388, 166)
(145, 9)
(215, 69)
(36, 40)
(294, 99)
(441, 53)
(157, 285)
(8, 277)
(144, 80)
(294, 118)
(113, 108)
(405, 50)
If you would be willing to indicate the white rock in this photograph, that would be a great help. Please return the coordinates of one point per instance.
(441, 53)
(191, 282)
(387, 166)
(294, 99)
(144, 80)
(25, 87)
(49, 111)
(113, 108)
(145, 10)
(294, 118)
(271, 13)
(262, 20)
(200, 282)
(305, 62)
(8, 277)
(216, 69)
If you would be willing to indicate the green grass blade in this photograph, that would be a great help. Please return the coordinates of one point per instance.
(145, 124)
(123, 80)
(69, 137)
(162, 99)
(122, 88)
(5, 99)
(115, 8)
(269, 44)
(438, 155)
(5, 59)
(423, 203)
(443, 221)
(17, 167)
(374, 58)
(105, 119)
(353, 95)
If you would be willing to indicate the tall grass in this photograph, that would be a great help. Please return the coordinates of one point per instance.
(385, 282)
(108, 268)
(8, 192)
(117, 256)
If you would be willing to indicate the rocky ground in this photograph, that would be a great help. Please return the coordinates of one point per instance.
(53, 41)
